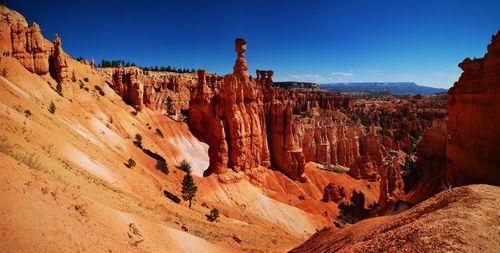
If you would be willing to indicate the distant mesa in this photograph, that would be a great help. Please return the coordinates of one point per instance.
(297, 85)
(396, 88)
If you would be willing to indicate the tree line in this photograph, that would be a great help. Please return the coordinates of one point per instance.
(118, 63)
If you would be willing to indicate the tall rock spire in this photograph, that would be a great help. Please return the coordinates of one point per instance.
(240, 66)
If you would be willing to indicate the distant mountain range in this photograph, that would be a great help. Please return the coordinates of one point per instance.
(402, 88)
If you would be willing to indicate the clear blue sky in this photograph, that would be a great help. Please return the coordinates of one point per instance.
(320, 41)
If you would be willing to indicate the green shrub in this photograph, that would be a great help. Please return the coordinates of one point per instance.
(27, 113)
(59, 89)
(184, 166)
(213, 215)
(131, 163)
(98, 89)
(159, 133)
(138, 140)
(52, 107)
(162, 166)
(86, 79)
(334, 168)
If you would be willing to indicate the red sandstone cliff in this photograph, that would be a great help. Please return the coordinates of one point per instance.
(29, 47)
(473, 115)
(431, 163)
(230, 117)
(166, 92)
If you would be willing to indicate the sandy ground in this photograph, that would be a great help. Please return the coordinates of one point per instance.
(463, 219)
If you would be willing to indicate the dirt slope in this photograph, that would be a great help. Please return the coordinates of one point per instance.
(463, 219)
(63, 176)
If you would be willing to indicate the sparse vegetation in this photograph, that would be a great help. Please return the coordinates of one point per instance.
(409, 164)
(27, 113)
(130, 163)
(4, 146)
(73, 77)
(59, 89)
(172, 197)
(159, 133)
(334, 168)
(184, 166)
(99, 90)
(52, 107)
(189, 188)
(26, 158)
(204, 205)
(213, 215)
(134, 113)
(138, 140)
(4, 72)
(86, 79)
(446, 185)
(162, 166)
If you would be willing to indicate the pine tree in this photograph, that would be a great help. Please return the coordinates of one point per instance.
(52, 107)
(59, 89)
(189, 188)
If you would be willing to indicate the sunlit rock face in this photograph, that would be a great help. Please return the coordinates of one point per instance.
(472, 149)
(248, 123)
(229, 115)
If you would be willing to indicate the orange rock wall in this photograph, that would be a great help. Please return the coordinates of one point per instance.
(472, 149)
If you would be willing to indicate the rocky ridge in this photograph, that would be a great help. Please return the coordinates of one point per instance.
(463, 219)
(472, 149)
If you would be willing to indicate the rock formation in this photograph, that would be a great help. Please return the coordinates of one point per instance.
(231, 119)
(431, 163)
(39, 50)
(126, 83)
(335, 193)
(59, 65)
(28, 46)
(153, 90)
(391, 182)
(285, 138)
(248, 123)
(473, 115)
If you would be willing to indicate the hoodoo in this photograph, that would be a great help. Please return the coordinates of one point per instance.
(230, 117)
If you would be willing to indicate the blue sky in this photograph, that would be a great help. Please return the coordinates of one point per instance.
(319, 41)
